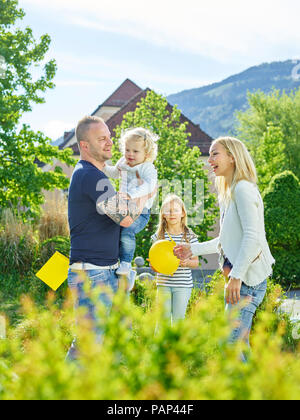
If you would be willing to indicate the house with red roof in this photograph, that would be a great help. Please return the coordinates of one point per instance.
(125, 99)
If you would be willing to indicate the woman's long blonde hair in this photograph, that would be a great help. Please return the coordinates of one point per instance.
(162, 224)
(244, 167)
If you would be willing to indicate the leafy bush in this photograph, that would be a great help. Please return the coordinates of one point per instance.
(50, 246)
(191, 360)
(143, 294)
(282, 221)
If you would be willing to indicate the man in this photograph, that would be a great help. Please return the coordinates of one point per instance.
(96, 215)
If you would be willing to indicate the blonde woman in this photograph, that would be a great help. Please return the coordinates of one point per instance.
(138, 178)
(176, 289)
(244, 252)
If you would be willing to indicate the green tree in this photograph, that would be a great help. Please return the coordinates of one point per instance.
(281, 113)
(21, 179)
(282, 221)
(176, 163)
(270, 155)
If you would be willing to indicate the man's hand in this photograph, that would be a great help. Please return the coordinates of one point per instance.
(122, 210)
(233, 291)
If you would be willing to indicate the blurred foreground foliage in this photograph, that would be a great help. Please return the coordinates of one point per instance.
(143, 357)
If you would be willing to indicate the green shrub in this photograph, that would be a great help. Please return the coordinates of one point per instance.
(144, 292)
(189, 361)
(50, 246)
(282, 221)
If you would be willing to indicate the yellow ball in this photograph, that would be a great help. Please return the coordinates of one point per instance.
(162, 258)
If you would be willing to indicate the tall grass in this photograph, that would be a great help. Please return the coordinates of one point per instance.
(54, 219)
(18, 244)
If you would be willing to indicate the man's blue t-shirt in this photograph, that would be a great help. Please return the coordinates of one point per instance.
(94, 237)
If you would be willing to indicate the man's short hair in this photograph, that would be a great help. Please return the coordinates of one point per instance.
(83, 127)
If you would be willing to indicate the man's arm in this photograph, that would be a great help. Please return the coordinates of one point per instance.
(122, 210)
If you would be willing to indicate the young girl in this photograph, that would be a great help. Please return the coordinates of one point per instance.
(138, 178)
(177, 289)
(244, 252)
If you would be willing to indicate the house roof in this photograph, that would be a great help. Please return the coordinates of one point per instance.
(122, 95)
(198, 137)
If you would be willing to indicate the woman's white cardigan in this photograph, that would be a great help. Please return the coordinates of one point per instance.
(242, 237)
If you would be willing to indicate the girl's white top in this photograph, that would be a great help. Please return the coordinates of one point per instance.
(242, 237)
(129, 181)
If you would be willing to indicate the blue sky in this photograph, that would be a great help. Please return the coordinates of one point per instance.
(167, 45)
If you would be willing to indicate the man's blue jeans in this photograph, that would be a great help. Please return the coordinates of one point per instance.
(255, 295)
(128, 241)
(97, 278)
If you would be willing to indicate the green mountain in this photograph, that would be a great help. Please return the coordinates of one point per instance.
(214, 106)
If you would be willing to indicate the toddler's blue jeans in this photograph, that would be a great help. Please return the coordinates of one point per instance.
(128, 241)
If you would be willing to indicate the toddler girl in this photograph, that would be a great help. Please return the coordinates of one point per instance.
(138, 178)
(177, 289)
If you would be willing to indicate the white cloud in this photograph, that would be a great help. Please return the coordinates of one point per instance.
(217, 29)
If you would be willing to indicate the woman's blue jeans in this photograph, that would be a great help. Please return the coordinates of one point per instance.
(107, 279)
(245, 315)
(128, 241)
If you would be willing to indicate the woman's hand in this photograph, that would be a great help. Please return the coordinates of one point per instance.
(190, 263)
(183, 252)
(233, 291)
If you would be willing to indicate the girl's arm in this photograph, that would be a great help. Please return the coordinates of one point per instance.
(112, 171)
(149, 178)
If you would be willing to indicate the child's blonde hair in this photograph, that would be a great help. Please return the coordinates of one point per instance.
(141, 134)
(244, 167)
(188, 234)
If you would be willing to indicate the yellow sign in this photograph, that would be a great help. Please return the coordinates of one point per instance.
(55, 271)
